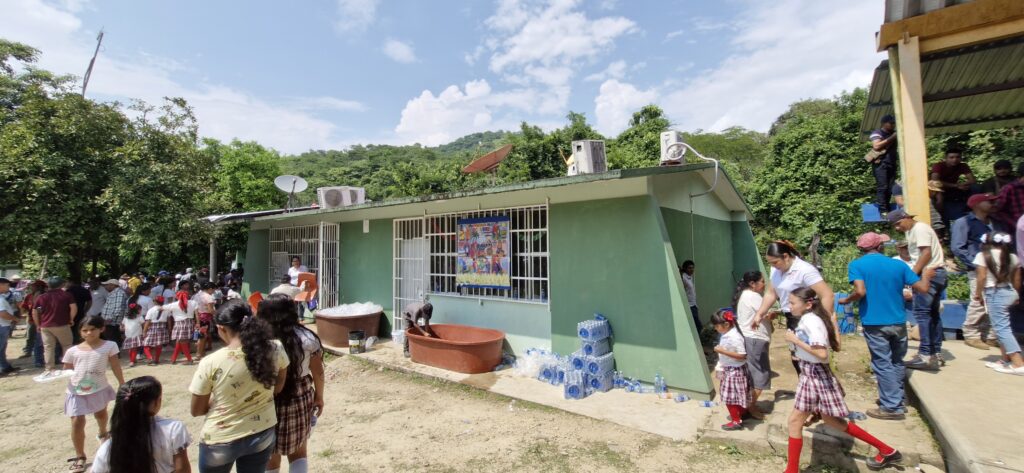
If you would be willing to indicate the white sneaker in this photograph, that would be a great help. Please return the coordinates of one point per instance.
(997, 364)
(1011, 370)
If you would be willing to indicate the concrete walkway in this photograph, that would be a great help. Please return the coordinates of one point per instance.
(646, 412)
(976, 413)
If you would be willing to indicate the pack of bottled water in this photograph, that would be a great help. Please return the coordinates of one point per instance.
(578, 360)
(593, 330)
(576, 386)
(530, 364)
(603, 382)
(596, 348)
(599, 365)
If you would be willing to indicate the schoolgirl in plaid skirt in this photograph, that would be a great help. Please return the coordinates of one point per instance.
(155, 331)
(819, 391)
(731, 371)
(301, 400)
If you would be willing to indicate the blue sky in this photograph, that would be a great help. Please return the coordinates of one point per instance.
(332, 73)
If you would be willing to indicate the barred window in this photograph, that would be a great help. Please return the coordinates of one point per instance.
(528, 255)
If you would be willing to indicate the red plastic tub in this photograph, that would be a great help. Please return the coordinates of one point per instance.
(334, 330)
(460, 348)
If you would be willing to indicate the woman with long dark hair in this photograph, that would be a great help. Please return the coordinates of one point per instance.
(303, 396)
(140, 440)
(234, 388)
(789, 273)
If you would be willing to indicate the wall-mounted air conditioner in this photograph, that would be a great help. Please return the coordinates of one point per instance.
(672, 154)
(340, 196)
(587, 157)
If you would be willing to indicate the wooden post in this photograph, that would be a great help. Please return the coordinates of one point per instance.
(905, 70)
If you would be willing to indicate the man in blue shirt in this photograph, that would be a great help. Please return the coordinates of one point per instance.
(878, 283)
(885, 166)
(965, 244)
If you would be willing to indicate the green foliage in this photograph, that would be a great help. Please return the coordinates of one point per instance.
(640, 144)
(957, 288)
(813, 179)
(834, 265)
(982, 148)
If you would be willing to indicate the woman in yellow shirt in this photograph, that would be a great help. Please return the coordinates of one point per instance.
(234, 388)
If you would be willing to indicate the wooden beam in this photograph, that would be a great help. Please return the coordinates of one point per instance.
(905, 67)
(963, 18)
(974, 36)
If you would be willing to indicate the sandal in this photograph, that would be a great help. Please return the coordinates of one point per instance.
(77, 465)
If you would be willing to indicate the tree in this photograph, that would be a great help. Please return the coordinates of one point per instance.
(639, 145)
(813, 180)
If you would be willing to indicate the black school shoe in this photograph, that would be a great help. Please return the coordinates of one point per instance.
(883, 414)
(880, 461)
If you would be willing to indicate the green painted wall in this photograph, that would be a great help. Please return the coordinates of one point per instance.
(365, 269)
(257, 260)
(525, 325)
(714, 256)
(746, 256)
(615, 257)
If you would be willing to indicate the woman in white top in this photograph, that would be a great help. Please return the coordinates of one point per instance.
(139, 439)
(789, 273)
(747, 300)
(296, 268)
(999, 280)
(302, 398)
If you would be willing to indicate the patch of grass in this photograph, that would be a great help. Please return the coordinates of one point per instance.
(650, 444)
(543, 456)
(326, 453)
(603, 455)
(329, 357)
(15, 452)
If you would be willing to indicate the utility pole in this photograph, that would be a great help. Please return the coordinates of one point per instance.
(92, 62)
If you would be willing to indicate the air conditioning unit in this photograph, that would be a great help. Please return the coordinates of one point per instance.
(587, 157)
(672, 154)
(340, 196)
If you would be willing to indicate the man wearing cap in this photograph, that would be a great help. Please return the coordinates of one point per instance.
(965, 245)
(926, 251)
(54, 312)
(113, 312)
(8, 317)
(878, 283)
(1002, 175)
(884, 167)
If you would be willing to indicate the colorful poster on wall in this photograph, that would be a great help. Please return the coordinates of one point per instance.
(483, 253)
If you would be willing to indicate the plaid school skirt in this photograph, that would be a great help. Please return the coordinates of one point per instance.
(132, 343)
(819, 391)
(733, 386)
(156, 336)
(295, 418)
(182, 330)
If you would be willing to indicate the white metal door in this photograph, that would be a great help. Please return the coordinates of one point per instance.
(317, 246)
(410, 251)
(327, 278)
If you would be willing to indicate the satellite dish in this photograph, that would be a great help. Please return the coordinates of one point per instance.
(291, 185)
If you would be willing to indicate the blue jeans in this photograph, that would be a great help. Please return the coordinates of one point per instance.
(926, 312)
(248, 454)
(5, 334)
(888, 345)
(998, 301)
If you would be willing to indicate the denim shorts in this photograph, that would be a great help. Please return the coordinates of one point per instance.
(247, 454)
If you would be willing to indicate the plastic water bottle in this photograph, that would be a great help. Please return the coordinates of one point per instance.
(578, 360)
(645, 389)
(659, 384)
(598, 365)
(681, 398)
(601, 383)
(854, 415)
(592, 330)
(602, 318)
(597, 348)
(708, 404)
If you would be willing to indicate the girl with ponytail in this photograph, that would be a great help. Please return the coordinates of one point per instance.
(183, 313)
(140, 440)
(747, 300)
(731, 370)
(155, 329)
(234, 388)
(131, 325)
(818, 391)
(303, 396)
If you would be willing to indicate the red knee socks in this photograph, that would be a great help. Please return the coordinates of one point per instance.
(736, 412)
(793, 460)
(859, 433)
(132, 354)
(154, 354)
(181, 347)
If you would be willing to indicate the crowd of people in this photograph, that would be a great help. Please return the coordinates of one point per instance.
(260, 393)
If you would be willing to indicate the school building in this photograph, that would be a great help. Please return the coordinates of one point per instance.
(607, 243)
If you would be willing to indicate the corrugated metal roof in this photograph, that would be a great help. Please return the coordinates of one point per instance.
(977, 87)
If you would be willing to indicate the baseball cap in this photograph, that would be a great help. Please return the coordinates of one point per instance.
(897, 215)
(16, 277)
(979, 198)
(111, 282)
(871, 240)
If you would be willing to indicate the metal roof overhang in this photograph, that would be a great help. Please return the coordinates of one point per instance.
(608, 185)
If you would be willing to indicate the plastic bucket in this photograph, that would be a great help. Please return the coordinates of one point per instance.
(356, 341)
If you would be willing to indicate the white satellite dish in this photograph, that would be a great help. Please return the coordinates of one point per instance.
(290, 184)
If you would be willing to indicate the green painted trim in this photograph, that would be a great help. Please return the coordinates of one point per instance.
(714, 279)
(365, 266)
(257, 260)
(614, 257)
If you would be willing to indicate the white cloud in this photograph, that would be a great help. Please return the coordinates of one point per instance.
(784, 51)
(354, 16)
(615, 70)
(328, 103)
(673, 34)
(615, 104)
(399, 51)
(223, 112)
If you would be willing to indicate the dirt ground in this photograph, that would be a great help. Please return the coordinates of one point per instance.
(381, 420)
